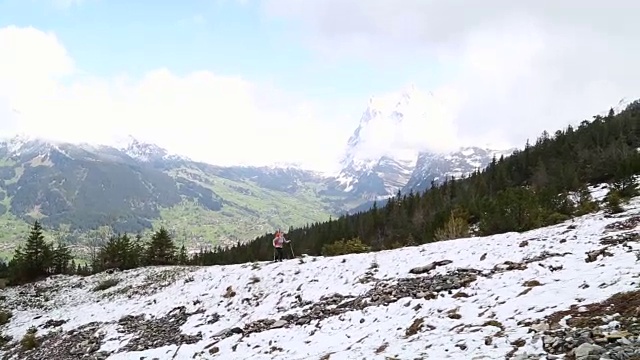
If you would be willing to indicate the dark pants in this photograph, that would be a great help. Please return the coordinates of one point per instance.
(279, 254)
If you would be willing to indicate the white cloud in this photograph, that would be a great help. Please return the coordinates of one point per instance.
(219, 119)
(514, 68)
(396, 125)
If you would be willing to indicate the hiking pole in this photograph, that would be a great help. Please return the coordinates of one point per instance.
(293, 256)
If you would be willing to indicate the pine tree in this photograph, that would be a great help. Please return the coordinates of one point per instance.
(109, 255)
(614, 202)
(585, 202)
(138, 252)
(38, 254)
(161, 250)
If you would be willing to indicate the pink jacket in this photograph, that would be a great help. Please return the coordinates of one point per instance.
(279, 241)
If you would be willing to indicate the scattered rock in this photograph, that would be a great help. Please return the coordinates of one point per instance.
(427, 268)
(53, 323)
(544, 256)
(532, 283)
(587, 335)
(384, 293)
(555, 268)
(84, 342)
(415, 327)
(278, 324)
(229, 293)
(583, 351)
(593, 255)
(80, 343)
(620, 239)
(157, 332)
(626, 224)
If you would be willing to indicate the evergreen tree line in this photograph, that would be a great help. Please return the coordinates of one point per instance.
(37, 258)
(543, 184)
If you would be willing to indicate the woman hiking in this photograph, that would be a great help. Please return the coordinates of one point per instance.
(278, 242)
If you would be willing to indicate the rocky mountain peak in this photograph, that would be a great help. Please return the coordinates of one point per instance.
(23, 144)
(379, 132)
(376, 161)
(386, 153)
(144, 151)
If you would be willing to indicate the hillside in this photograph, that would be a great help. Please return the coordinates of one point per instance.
(529, 295)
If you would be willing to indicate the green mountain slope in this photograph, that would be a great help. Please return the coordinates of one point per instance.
(248, 209)
(75, 189)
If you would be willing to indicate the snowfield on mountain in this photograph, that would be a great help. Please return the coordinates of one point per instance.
(546, 292)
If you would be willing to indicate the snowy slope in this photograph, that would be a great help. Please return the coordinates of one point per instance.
(481, 303)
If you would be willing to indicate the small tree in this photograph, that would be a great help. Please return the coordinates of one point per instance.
(343, 247)
(115, 253)
(627, 187)
(585, 203)
(456, 227)
(614, 202)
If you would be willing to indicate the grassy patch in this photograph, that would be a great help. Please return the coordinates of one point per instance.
(5, 317)
(29, 341)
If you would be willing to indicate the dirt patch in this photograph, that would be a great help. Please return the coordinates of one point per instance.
(626, 224)
(626, 307)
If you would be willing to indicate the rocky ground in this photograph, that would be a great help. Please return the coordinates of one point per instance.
(564, 298)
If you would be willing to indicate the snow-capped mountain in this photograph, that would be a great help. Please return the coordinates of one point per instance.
(377, 162)
(438, 167)
(22, 144)
(386, 152)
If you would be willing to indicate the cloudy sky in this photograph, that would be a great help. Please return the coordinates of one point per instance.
(261, 81)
